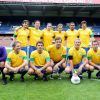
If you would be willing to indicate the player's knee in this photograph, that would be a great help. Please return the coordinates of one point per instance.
(26, 68)
(52, 63)
(91, 68)
(67, 70)
(5, 70)
(64, 65)
(49, 70)
(30, 71)
(2, 64)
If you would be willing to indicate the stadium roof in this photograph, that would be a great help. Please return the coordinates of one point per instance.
(49, 9)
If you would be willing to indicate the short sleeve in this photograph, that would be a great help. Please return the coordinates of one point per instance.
(90, 33)
(70, 53)
(65, 34)
(24, 56)
(32, 57)
(42, 34)
(84, 53)
(64, 53)
(47, 57)
(89, 55)
(8, 58)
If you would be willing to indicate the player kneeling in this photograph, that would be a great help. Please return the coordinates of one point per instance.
(16, 62)
(40, 62)
(94, 57)
(77, 60)
(58, 56)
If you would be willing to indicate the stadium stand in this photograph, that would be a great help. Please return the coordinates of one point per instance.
(12, 14)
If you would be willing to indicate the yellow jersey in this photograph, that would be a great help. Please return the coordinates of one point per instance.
(62, 35)
(47, 37)
(39, 59)
(71, 36)
(16, 59)
(94, 56)
(56, 54)
(22, 36)
(77, 55)
(85, 36)
(35, 35)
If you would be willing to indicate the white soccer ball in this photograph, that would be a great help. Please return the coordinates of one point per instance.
(75, 79)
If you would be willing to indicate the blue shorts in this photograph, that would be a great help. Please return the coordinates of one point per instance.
(31, 48)
(76, 66)
(24, 49)
(86, 49)
(43, 71)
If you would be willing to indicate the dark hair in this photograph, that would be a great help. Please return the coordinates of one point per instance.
(25, 21)
(60, 25)
(58, 38)
(71, 23)
(39, 42)
(84, 22)
(15, 43)
(36, 21)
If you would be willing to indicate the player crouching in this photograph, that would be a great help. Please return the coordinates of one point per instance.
(77, 60)
(94, 57)
(40, 62)
(58, 56)
(16, 62)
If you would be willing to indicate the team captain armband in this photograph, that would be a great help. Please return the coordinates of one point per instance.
(31, 59)
(47, 59)
(8, 59)
(25, 57)
(70, 57)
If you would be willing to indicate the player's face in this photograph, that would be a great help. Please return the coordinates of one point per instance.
(84, 25)
(17, 48)
(72, 26)
(37, 24)
(58, 43)
(49, 26)
(40, 46)
(60, 29)
(25, 25)
(77, 43)
(95, 45)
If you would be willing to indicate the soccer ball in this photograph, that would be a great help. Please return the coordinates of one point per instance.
(75, 79)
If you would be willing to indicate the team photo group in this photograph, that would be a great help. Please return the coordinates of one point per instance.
(45, 53)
